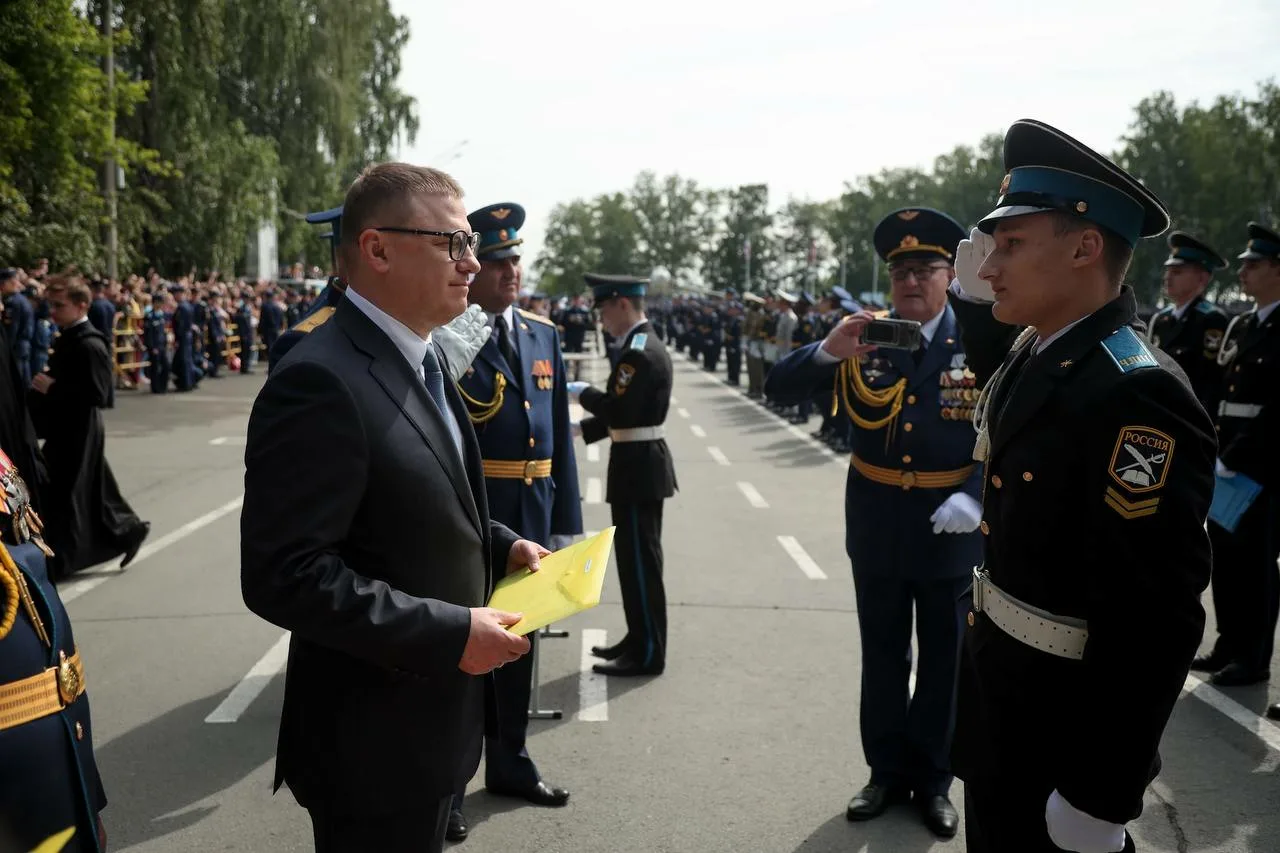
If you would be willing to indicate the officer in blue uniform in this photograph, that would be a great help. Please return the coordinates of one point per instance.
(322, 307)
(185, 373)
(519, 407)
(1191, 328)
(155, 337)
(19, 323)
(49, 784)
(911, 509)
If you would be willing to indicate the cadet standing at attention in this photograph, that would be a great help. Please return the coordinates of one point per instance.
(1099, 474)
(519, 406)
(631, 411)
(1190, 330)
(1246, 584)
(911, 509)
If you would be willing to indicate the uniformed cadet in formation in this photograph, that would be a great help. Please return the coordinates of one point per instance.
(1190, 330)
(322, 306)
(1098, 479)
(753, 336)
(733, 343)
(49, 783)
(519, 406)
(911, 509)
(1246, 585)
(630, 410)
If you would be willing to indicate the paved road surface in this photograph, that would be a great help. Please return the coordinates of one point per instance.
(749, 742)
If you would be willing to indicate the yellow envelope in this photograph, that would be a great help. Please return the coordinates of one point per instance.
(569, 582)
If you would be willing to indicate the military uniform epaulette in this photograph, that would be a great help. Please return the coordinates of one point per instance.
(1206, 307)
(314, 320)
(537, 318)
(1128, 351)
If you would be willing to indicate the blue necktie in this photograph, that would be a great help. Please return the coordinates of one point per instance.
(433, 377)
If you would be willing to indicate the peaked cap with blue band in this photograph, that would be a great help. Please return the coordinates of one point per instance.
(918, 234)
(1048, 170)
(608, 286)
(499, 228)
(1264, 244)
(1185, 249)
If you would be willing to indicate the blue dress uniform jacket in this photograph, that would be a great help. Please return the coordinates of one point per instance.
(524, 419)
(320, 310)
(50, 780)
(887, 527)
(20, 326)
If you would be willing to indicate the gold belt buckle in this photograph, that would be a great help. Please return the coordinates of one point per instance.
(530, 467)
(908, 479)
(68, 679)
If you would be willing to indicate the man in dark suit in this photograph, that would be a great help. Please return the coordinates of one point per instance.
(630, 411)
(383, 573)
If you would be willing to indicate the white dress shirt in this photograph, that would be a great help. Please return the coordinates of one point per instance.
(411, 346)
(1264, 311)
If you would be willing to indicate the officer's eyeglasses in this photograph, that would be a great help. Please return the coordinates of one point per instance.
(459, 241)
(900, 274)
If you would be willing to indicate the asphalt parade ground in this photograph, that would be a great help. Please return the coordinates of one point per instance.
(748, 742)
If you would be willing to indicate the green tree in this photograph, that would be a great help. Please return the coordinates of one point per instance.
(746, 217)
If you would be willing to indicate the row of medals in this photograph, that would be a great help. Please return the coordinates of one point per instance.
(959, 394)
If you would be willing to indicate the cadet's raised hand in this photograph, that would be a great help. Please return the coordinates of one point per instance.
(969, 257)
(845, 340)
(462, 337)
(490, 644)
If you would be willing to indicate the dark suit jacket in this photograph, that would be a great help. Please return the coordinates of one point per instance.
(365, 535)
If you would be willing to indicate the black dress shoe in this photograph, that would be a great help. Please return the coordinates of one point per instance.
(872, 801)
(1238, 675)
(457, 829)
(136, 537)
(939, 815)
(540, 794)
(610, 652)
(1273, 712)
(1209, 663)
(627, 665)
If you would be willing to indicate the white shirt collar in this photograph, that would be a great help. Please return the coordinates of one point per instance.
(1178, 312)
(411, 346)
(1041, 343)
(508, 314)
(633, 328)
(928, 330)
(1264, 311)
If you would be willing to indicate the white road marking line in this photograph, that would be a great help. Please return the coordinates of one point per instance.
(698, 431)
(674, 401)
(684, 413)
(802, 558)
(717, 455)
(1267, 732)
(251, 686)
(753, 497)
(595, 490)
(593, 453)
(74, 590)
(233, 440)
(593, 688)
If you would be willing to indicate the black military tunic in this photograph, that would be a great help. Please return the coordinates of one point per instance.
(1193, 340)
(1099, 474)
(641, 477)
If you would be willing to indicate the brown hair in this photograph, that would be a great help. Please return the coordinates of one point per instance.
(1116, 253)
(72, 285)
(381, 194)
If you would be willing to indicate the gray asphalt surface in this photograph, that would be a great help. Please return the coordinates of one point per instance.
(748, 742)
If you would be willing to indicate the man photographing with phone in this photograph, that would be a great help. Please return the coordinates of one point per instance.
(911, 507)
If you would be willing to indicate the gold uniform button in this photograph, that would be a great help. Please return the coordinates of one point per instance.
(79, 731)
(527, 405)
(906, 460)
(532, 442)
(911, 400)
(985, 528)
(996, 481)
(908, 427)
(1028, 476)
(970, 619)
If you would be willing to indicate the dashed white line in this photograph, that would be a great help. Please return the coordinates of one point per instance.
(1237, 713)
(593, 453)
(251, 686)
(802, 558)
(698, 431)
(753, 497)
(593, 688)
(717, 455)
(595, 490)
(74, 590)
(684, 413)
(674, 401)
(233, 440)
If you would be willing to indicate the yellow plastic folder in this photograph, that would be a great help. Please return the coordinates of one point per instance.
(569, 582)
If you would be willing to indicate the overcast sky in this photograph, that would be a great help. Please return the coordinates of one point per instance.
(544, 101)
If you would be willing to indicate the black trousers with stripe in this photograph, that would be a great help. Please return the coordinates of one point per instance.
(637, 547)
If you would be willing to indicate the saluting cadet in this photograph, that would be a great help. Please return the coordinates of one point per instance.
(1246, 587)
(1190, 330)
(519, 406)
(911, 509)
(630, 411)
(1098, 478)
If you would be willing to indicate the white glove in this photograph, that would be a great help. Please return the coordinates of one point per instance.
(1222, 470)
(560, 541)
(576, 388)
(1072, 829)
(958, 514)
(461, 338)
(969, 257)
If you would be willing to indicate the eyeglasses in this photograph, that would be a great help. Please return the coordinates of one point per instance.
(900, 274)
(459, 241)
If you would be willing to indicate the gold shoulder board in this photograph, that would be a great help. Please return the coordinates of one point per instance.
(314, 321)
(537, 318)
